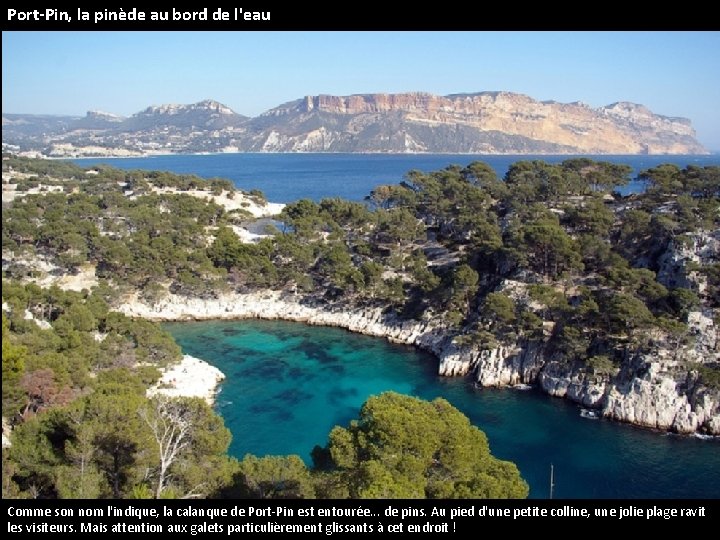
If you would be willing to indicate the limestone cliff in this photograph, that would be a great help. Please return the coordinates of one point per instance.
(483, 123)
(652, 393)
(479, 123)
(658, 386)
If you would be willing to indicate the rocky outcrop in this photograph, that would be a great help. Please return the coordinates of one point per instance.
(207, 114)
(560, 380)
(275, 305)
(6, 433)
(414, 122)
(483, 123)
(652, 392)
(191, 377)
(655, 396)
(685, 253)
(501, 366)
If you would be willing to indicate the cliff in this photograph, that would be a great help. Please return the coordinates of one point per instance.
(609, 301)
(482, 123)
(479, 123)
(650, 393)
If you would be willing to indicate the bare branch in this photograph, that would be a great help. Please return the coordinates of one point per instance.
(171, 423)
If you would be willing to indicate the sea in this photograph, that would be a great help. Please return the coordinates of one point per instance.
(289, 177)
(288, 384)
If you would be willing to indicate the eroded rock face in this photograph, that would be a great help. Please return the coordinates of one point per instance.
(485, 122)
(275, 305)
(651, 392)
(660, 388)
(701, 248)
(414, 122)
(654, 396)
(501, 366)
(560, 380)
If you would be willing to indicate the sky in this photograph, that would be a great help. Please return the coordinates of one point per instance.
(672, 73)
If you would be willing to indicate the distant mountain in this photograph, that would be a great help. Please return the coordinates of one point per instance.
(206, 115)
(482, 123)
(97, 120)
(207, 126)
(34, 126)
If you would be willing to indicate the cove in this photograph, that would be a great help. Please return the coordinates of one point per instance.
(288, 384)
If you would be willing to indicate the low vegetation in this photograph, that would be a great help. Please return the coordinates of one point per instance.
(549, 254)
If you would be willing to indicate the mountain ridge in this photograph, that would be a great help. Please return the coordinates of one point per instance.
(489, 122)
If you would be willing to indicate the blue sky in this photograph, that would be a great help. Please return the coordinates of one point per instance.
(673, 73)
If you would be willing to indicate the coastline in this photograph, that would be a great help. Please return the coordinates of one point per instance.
(274, 305)
(408, 153)
(191, 377)
(648, 396)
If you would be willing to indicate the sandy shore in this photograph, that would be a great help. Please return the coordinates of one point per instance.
(191, 377)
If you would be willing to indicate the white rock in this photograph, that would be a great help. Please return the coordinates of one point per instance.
(649, 397)
(191, 377)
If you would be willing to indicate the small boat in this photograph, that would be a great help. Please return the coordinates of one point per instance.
(522, 386)
(590, 413)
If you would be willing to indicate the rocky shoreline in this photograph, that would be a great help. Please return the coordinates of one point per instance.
(191, 377)
(651, 392)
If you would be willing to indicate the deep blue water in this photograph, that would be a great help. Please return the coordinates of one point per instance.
(288, 384)
(289, 177)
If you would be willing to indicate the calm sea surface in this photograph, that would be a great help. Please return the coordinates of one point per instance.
(288, 384)
(289, 177)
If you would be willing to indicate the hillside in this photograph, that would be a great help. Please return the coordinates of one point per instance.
(480, 123)
(100, 405)
(547, 277)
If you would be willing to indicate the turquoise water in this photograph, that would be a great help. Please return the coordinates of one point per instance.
(288, 384)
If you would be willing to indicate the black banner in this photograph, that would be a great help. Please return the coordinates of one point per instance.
(329, 518)
(359, 16)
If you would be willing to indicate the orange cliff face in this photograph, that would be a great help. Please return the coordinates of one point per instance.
(620, 128)
(373, 103)
(413, 122)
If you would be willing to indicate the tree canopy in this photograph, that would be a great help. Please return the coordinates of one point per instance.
(549, 255)
(404, 447)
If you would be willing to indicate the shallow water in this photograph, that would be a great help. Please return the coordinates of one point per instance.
(288, 384)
